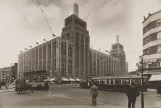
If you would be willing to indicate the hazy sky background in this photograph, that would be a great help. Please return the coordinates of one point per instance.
(22, 24)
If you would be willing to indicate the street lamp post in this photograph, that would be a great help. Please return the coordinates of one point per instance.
(142, 94)
(141, 67)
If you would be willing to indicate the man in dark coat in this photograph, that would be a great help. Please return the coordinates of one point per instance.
(94, 93)
(157, 86)
(132, 93)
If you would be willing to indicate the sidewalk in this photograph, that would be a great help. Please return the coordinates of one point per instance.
(10, 89)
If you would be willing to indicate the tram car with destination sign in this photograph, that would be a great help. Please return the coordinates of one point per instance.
(114, 83)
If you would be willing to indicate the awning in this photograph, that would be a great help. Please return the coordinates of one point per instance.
(156, 77)
(71, 79)
(52, 79)
(65, 79)
(77, 79)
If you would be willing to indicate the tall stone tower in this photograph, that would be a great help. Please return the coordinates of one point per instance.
(118, 52)
(76, 10)
(75, 46)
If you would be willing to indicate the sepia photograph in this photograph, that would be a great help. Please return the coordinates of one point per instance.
(80, 54)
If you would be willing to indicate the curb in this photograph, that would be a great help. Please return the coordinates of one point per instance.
(11, 90)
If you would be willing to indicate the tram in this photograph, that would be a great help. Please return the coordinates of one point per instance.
(38, 79)
(115, 83)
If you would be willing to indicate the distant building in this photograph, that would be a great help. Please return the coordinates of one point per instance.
(127, 69)
(102, 64)
(152, 43)
(117, 51)
(136, 72)
(8, 73)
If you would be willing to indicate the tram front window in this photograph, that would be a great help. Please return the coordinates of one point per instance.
(102, 82)
(127, 81)
(118, 81)
(111, 81)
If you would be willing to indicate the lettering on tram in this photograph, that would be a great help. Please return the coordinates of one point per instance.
(115, 83)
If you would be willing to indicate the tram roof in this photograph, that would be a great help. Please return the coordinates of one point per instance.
(117, 77)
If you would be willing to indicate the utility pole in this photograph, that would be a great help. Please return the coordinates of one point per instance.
(142, 94)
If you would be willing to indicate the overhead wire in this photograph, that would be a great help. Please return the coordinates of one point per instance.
(45, 17)
(105, 1)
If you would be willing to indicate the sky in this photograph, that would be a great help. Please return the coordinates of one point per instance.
(22, 24)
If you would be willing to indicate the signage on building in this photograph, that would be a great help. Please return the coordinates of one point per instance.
(149, 61)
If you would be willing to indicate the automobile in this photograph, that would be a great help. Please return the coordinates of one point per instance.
(52, 82)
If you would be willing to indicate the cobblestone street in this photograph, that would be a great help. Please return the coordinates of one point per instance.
(64, 96)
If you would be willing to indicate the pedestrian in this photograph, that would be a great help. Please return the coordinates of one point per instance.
(132, 93)
(157, 87)
(0, 84)
(159, 91)
(6, 85)
(46, 85)
(94, 93)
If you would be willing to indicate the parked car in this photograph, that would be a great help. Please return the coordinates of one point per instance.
(13, 84)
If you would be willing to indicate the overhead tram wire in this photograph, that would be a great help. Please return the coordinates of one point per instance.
(105, 2)
(45, 18)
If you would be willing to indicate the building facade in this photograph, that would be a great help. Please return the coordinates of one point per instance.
(44, 58)
(69, 55)
(8, 73)
(102, 64)
(75, 46)
(152, 42)
(117, 51)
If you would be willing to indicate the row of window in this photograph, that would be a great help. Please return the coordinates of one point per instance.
(152, 37)
(152, 50)
(118, 81)
(152, 25)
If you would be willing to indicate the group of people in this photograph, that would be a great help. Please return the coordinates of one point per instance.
(132, 93)
(23, 86)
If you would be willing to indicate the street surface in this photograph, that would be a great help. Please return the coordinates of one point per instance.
(71, 96)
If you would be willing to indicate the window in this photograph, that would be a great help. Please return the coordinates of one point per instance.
(154, 65)
(159, 23)
(114, 47)
(68, 36)
(80, 23)
(150, 38)
(153, 37)
(159, 35)
(159, 48)
(68, 21)
(153, 49)
(151, 25)
(146, 40)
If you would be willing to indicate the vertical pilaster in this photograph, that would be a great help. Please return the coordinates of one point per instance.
(46, 57)
(84, 69)
(42, 57)
(51, 73)
(38, 58)
(67, 70)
